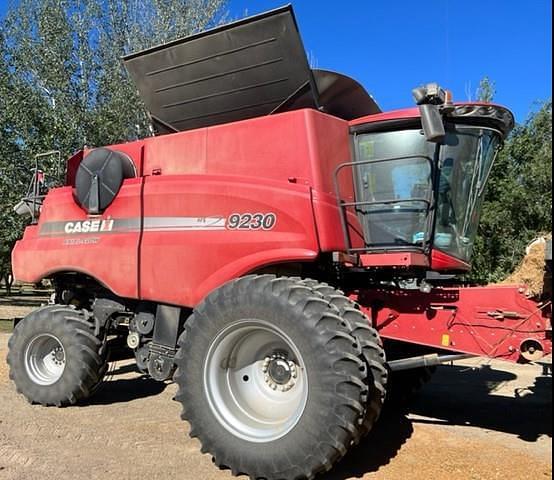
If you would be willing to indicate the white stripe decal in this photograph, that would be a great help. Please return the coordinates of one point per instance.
(184, 223)
(130, 225)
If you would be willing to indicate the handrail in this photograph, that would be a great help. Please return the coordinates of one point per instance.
(343, 206)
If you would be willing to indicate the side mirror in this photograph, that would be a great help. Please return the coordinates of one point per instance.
(433, 123)
(431, 98)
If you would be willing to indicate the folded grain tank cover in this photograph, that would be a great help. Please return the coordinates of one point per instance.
(251, 68)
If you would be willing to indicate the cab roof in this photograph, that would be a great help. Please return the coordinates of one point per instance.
(473, 113)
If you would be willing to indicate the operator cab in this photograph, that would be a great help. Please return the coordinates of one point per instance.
(425, 196)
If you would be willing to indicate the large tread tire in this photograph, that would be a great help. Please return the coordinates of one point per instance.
(85, 356)
(335, 373)
(372, 351)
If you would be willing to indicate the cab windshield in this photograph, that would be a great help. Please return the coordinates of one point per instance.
(416, 194)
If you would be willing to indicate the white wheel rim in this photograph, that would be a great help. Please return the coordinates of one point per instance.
(45, 359)
(255, 381)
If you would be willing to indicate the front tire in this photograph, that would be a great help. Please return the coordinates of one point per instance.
(372, 351)
(54, 357)
(271, 381)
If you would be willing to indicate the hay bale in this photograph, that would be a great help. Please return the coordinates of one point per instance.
(530, 271)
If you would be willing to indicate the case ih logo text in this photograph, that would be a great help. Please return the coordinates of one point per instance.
(89, 226)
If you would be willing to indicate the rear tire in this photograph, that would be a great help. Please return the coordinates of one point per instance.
(55, 358)
(229, 337)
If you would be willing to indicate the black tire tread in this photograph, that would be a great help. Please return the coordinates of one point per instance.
(87, 365)
(372, 352)
(332, 440)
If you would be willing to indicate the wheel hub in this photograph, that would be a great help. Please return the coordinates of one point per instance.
(44, 359)
(58, 355)
(279, 372)
(255, 381)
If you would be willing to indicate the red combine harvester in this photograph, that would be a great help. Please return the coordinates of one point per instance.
(283, 249)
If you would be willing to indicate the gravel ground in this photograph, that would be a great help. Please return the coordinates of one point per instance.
(490, 423)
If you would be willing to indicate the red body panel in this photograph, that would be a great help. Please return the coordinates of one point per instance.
(181, 267)
(385, 116)
(271, 165)
(399, 259)
(442, 261)
(488, 321)
(111, 258)
(301, 147)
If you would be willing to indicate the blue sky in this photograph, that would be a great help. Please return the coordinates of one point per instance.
(392, 46)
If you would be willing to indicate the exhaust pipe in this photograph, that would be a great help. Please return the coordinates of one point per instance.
(425, 361)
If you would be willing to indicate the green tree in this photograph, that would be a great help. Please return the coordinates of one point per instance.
(518, 205)
(486, 90)
(63, 85)
(12, 171)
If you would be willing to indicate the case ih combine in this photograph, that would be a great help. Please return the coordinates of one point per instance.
(283, 250)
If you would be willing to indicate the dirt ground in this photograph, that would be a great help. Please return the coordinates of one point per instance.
(476, 424)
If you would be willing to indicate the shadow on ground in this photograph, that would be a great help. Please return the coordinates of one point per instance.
(384, 442)
(122, 390)
(457, 396)
(124, 383)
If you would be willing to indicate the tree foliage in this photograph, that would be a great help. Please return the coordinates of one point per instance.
(486, 90)
(63, 85)
(518, 205)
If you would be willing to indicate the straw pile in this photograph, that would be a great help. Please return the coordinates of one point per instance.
(530, 271)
